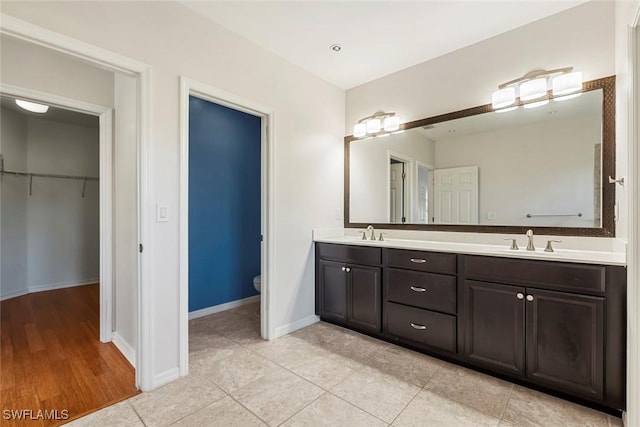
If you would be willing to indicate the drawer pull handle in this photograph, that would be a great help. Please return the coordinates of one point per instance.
(413, 288)
(418, 260)
(418, 327)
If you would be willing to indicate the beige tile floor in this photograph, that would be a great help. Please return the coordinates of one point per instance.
(324, 375)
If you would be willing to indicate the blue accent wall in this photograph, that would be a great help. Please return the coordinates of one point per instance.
(224, 203)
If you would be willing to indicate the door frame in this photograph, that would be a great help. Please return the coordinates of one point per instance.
(632, 413)
(408, 184)
(430, 168)
(267, 146)
(105, 116)
(115, 62)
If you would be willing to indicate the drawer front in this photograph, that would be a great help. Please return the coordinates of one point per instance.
(421, 327)
(347, 253)
(551, 274)
(432, 262)
(424, 290)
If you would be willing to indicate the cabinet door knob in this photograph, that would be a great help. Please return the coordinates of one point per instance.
(347, 269)
(418, 327)
(344, 269)
(415, 289)
(520, 295)
(418, 260)
(529, 297)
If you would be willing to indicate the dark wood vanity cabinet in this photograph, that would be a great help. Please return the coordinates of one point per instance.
(557, 325)
(553, 338)
(347, 292)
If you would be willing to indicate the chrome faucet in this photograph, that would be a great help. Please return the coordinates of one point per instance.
(373, 232)
(530, 246)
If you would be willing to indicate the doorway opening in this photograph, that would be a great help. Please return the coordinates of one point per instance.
(56, 282)
(225, 177)
(400, 178)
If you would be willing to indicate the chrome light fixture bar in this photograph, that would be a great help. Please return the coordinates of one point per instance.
(377, 124)
(532, 89)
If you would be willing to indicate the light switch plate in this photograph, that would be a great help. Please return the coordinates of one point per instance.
(162, 212)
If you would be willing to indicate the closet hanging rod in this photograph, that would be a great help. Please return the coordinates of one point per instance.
(50, 175)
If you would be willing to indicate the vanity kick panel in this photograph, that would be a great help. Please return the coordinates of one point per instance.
(423, 290)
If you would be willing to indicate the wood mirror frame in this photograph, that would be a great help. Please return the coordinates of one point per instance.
(607, 228)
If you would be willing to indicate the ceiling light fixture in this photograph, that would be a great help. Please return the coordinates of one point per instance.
(377, 124)
(533, 89)
(32, 106)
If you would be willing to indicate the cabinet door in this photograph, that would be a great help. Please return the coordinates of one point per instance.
(565, 341)
(332, 290)
(365, 297)
(494, 326)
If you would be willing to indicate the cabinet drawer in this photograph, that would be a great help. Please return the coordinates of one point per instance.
(424, 290)
(432, 262)
(423, 327)
(530, 272)
(348, 253)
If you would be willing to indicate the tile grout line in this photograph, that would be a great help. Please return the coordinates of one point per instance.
(409, 402)
(305, 407)
(136, 412)
(356, 406)
(507, 403)
(249, 410)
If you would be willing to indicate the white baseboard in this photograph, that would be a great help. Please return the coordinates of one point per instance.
(13, 294)
(125, 348)
(222, 307)
(294, 326)
(61, 285)
(165, 378)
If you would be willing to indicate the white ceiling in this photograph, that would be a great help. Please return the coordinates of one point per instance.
(377, 37)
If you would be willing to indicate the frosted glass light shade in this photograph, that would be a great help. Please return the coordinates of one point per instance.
(392, 123)
(359, 130)
(533, 89)
(536, 104)
(503, 97)
(32, 106)
(373, 125)
(567, 83)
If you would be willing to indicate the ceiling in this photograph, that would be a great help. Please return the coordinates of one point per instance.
(55, 114)
(377, 37)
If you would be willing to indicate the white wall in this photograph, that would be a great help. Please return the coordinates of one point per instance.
(517, 180)
(13, 205)
(369, 172)
(34, 67)
(62, 226)
(308, 141)
(582, 37)
(125, 214)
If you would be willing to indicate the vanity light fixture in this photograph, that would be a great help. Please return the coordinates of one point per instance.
(532, 89)
(377, 124)
(32, 106)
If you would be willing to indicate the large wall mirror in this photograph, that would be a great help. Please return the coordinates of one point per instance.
(545, 168)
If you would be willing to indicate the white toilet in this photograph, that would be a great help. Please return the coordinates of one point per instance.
(257, 282)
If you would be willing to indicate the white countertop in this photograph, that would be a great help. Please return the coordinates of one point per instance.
(565, 255)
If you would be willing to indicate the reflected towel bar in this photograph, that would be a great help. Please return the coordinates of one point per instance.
(540, 215)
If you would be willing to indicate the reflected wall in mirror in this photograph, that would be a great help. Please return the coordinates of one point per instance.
(480, 170)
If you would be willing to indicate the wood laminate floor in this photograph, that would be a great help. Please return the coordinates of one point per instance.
(52, 359)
